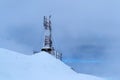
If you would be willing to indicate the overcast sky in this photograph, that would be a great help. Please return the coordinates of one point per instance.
(79, 26)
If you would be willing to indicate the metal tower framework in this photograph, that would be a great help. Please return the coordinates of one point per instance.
(48, 47)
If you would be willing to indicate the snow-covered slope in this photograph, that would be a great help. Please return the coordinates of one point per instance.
(42, 66)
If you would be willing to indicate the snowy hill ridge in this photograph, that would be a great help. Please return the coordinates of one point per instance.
(41, 66)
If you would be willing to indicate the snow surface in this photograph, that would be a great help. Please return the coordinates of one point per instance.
(41, 66)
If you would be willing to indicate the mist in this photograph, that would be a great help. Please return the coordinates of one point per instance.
(86, 32)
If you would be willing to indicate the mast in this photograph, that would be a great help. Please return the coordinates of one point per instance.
(48, 47)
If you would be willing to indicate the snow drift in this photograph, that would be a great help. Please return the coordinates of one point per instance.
(41, 66)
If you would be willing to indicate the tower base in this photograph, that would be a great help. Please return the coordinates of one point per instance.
(48, 49)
